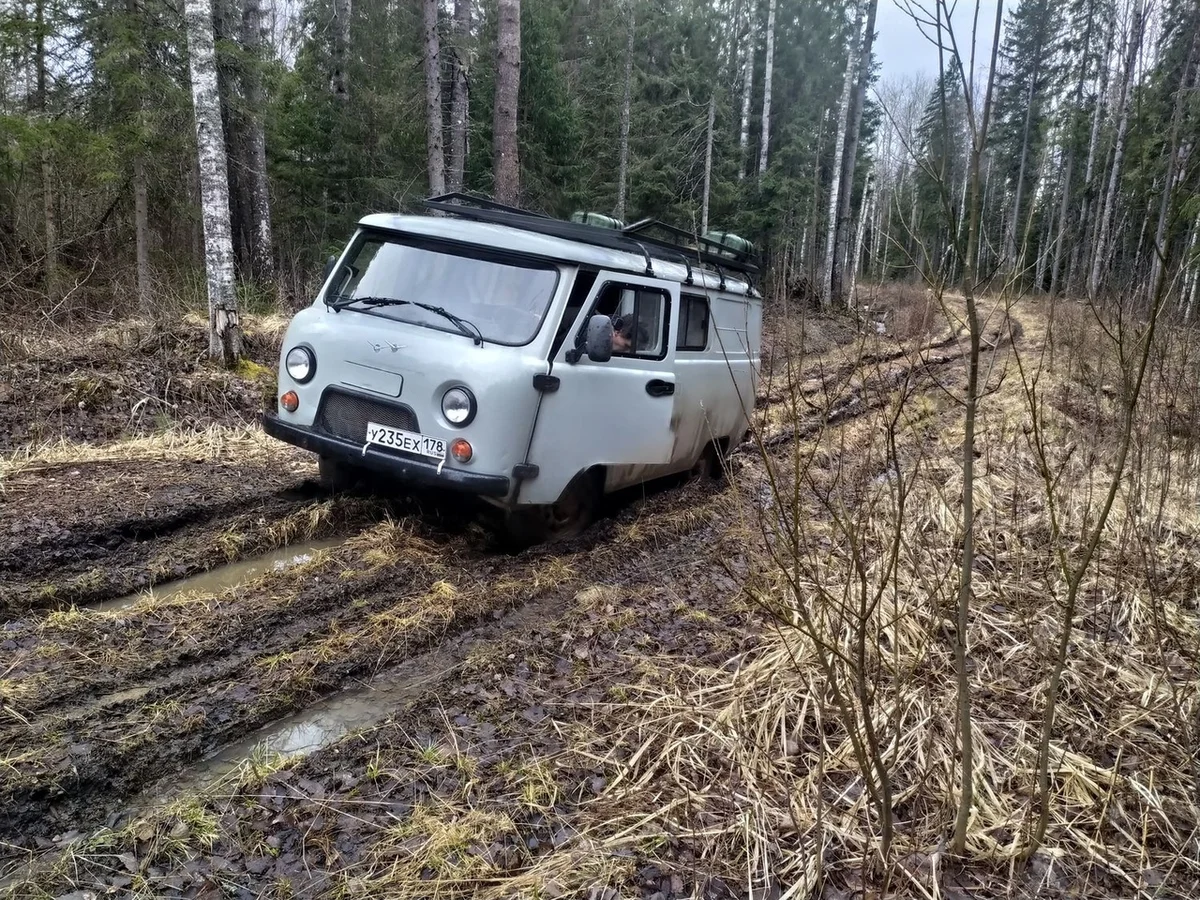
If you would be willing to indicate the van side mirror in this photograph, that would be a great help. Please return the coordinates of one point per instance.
(329, 264)
(599, 342)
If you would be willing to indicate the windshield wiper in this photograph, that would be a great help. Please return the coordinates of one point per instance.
(470, 329)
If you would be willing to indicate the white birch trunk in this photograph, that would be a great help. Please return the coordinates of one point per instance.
(765, 142)
(506, 163)
(434, 152)
(839, 148)
(1114, 175)
(850, 152)
(224, 332)
(747, 93)
(856, 261)
(626, 114)
(708, 154)
(253, 40)
(1010, 238)
(460, 95)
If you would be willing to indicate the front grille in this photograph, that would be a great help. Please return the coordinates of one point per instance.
(346, 415)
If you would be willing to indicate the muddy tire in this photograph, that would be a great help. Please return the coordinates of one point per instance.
(336, 475)
(710, 466)
(567, 518)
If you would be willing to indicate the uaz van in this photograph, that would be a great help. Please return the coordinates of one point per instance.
(534, 362)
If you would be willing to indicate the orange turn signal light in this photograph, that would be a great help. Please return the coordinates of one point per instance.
(461, 450)
(290, 401)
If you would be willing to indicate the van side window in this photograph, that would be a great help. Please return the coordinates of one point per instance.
(693, 323)
(579, 294)
(639, 319)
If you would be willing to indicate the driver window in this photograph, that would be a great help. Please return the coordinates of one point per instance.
(639, 320)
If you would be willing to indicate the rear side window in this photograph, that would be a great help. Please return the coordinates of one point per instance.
(693, 323)
(640, 318)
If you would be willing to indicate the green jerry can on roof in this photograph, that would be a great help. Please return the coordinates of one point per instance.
(598, 219)
(732, 245)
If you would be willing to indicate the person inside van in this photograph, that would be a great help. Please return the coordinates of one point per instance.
(622, 334)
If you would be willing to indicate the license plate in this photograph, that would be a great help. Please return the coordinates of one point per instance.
(407, 441)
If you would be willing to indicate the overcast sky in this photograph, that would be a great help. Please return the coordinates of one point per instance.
(903, 51)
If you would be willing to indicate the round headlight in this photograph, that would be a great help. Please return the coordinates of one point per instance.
(458, 406)
(300, 363)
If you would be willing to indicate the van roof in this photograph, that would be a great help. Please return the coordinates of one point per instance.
(517, 240)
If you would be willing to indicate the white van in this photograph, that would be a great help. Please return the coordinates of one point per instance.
(534, 362)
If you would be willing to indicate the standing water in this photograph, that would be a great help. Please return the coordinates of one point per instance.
(223, 577)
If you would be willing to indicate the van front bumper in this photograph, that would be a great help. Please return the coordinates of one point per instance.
(402, 468)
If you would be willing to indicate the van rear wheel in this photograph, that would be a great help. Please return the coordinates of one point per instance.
(710, 466)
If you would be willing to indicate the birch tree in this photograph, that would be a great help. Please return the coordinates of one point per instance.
(839, 149)
(768, 77)
(747, 91)
(842, 224)
(506, 161)
(224, 341)
(436, 157)
(459, 94)
(626, 114)
(1134, 48)
(253, 39)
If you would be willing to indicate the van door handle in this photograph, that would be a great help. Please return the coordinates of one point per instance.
(659, 388)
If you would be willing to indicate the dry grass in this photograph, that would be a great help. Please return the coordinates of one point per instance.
(751, 764)
(212, 443)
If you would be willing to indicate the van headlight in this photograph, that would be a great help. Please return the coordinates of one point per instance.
(458, 406)
(301, 365)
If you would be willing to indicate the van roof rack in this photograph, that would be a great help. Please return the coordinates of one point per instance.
(675, 244)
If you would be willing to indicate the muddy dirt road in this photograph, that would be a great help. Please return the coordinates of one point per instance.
(116, 699)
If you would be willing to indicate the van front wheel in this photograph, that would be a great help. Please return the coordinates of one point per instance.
(336, 475)
(569, 517)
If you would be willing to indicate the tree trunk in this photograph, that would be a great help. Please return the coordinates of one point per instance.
(765, 140)
(708, 153)
(224, 332)
(1010, 238)
(839, 150)
(1114, 176)
(339, 79)
(747, 93)
(435, 155)
(1085, 238)
(459, 96)
(850, 154)
(141, 235)
(506, 161)
(141, 210)
(49, 220)
(626, 113)
(262, 251)
(1186, 88)
(856, 261)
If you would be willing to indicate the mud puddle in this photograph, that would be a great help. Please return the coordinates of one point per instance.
(329, 720)
(223, 577)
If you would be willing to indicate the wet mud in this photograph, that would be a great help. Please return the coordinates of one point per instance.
(166, 623)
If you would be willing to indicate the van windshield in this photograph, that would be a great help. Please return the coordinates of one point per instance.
(505, 301)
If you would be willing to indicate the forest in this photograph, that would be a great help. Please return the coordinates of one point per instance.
(765, 118)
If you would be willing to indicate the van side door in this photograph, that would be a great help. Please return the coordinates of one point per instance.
(617, 413)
